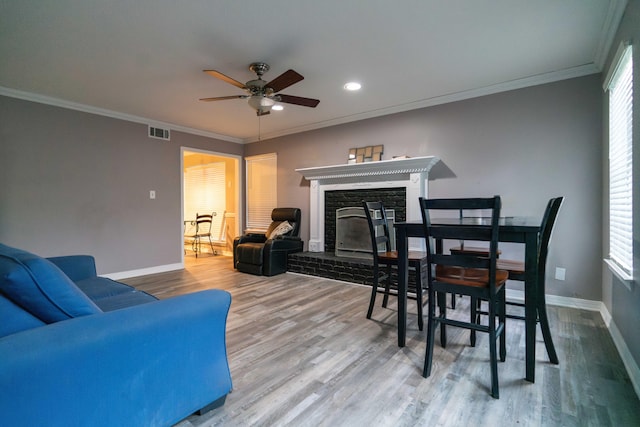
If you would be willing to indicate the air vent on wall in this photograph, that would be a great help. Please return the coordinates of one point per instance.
(159, 133)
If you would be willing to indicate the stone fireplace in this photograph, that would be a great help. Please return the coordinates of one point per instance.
(388, 180)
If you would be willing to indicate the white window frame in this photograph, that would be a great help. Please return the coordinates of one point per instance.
(261, 190)
(619, 85)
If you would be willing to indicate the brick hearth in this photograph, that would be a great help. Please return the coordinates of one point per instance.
(327, 265)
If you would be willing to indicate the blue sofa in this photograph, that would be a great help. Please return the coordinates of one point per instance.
(78, 349)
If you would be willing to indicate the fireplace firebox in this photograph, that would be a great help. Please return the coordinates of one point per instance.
(393, 199)
(352, 232)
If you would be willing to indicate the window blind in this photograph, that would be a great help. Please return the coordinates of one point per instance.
(204, 193)
(620, 87)
(262, 185)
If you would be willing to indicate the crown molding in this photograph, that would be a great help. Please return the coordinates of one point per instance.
(569, 73)
(540, 79)
(609, 29)
(57, 102)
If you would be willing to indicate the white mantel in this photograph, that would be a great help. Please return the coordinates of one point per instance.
(411, 173)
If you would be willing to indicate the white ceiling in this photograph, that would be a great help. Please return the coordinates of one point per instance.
(143, 59)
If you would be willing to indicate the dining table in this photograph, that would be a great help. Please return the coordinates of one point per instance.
(515, 229)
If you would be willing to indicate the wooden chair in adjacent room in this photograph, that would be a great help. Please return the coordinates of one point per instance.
(384, 259)
(202, 230)
(466, 274)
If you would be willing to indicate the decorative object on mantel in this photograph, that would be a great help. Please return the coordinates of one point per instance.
(370, 153)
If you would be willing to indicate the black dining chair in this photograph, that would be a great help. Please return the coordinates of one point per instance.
(465, 274)
(516, 272)
(384, 259)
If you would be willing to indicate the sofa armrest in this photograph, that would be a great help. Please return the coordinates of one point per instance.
(152, 364)
(252, 238)
(276, 253)
(76, 267)
(290, 238)
(283, 242)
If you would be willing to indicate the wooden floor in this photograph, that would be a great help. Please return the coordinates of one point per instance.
(302, 353)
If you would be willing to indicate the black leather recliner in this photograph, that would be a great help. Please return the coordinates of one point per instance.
(260, 255)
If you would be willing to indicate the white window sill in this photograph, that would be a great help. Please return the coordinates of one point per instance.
(626, 278)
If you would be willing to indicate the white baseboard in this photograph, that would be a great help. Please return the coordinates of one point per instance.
(630, 364)
(144, 271)
(627, 358)
(582, 304)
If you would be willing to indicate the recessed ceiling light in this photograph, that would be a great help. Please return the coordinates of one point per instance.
(353, 86)
(277, 107)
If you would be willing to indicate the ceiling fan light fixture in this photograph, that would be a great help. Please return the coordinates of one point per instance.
(277, 107)
(258, 102)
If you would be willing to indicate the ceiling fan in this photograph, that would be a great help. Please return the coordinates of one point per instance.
(263, 95)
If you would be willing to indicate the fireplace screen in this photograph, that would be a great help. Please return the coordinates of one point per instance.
(352, 232)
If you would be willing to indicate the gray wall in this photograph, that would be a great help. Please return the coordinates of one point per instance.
(527, 145)
(623, 302)
(75, 182)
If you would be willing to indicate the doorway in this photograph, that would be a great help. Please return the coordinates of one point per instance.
(210, 185)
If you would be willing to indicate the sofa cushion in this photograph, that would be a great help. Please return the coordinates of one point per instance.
(41, 288)
(15, 319)
(124, 300)
(97, 287)
(110, 295)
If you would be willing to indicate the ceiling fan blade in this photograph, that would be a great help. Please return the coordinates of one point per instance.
(284, 80)
(298, 100)
(222, 98)
(219, 75)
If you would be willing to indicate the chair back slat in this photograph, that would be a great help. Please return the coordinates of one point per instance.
(461, 204)
(203, 223)
(470, 261)
(465, 232)
(380, 240)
